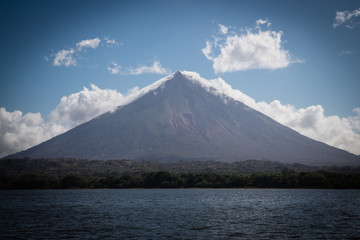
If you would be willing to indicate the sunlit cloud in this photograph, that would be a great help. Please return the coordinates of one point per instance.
(250, 49)
(88, 43)
(20, 131)
(84, 105)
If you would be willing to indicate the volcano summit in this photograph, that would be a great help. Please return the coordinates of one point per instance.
(181, 118)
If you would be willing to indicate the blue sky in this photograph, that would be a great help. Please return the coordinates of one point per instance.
(134, 43)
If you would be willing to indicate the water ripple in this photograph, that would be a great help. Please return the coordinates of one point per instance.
(180, 214)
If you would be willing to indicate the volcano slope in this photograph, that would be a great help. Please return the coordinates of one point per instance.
(180, 119)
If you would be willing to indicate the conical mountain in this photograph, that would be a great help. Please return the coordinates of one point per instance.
(180, 119)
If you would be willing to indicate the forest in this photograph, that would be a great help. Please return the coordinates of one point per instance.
(73, 173)
(162, 179)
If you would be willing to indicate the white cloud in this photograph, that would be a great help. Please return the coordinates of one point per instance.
(114, 68)
(336, 131)
(19, 132)
(260, 50)
(223, 29)
(207, 51)
(84, 105)
(347, 18)
(252, 49)
(260, 22)
(155, 68)
(65, 58)
(88, 43)
(312, 122)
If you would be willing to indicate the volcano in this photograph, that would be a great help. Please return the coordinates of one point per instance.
(178, 118)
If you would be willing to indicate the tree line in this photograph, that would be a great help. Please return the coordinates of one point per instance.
(98, 168)
(167, 179)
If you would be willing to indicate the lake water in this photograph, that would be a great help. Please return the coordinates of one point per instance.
(180, 214)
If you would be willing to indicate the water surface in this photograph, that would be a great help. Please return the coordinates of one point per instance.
(180, 214)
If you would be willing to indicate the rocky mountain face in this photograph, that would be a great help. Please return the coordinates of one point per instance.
(182, 120)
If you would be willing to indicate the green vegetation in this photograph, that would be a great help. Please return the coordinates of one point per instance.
(164, 179)
(72, 173)
(59, 168)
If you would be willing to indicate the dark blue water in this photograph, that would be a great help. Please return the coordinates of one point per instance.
(180, 214)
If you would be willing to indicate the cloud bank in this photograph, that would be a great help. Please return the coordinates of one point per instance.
(347, 18)
(82, 106)
(312, 122)
(251, 49)
(19, 132)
